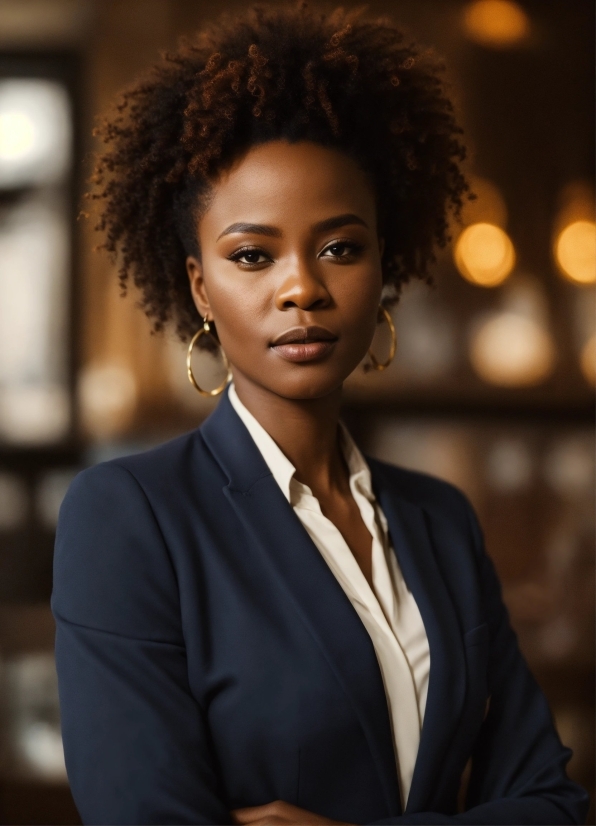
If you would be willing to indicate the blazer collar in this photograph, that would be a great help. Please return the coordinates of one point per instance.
(232, 446)
(281, 467)
(304, 576)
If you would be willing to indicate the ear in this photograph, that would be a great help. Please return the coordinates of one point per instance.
(194, 269)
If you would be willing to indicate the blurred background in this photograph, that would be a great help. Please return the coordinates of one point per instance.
(492, 387)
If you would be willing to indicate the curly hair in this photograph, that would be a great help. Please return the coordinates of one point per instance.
(276, 72)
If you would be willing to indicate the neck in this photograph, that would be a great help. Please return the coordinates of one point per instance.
(306, 430)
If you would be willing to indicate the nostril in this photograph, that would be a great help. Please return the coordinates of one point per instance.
(302, 291)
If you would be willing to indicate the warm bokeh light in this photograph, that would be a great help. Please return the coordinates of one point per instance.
(509, 465)
(484, 254)
(569, 467)
(512, 350)
(575, 252)
(588, 360)
(35, 132)
(17, 135)
(107, 398)
(496, 23)
(34, 413)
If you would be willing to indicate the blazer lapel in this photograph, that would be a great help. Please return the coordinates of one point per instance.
(447, 681)
(303, 573)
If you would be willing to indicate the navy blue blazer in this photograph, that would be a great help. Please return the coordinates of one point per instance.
(208, 659)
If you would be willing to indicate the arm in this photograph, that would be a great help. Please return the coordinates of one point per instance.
(518, 761)
(135, 739)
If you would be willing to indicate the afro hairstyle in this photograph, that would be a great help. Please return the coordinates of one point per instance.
(276, 72)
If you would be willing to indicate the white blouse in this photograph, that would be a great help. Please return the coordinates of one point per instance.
(389, 612)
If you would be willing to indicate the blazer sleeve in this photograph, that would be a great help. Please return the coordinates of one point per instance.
(135, 739)
(518, 761)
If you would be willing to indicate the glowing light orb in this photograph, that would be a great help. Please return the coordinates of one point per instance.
(484, 254)
(17, 135)
(497, 24)
(35, 132)
(575, 251)
(511, 350)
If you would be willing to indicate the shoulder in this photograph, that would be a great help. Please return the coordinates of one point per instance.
(162, 461)
(438, 498)
(160, 470)
(432, 509)
(113, 568)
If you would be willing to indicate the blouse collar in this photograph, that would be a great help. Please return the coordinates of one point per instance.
(283, 470)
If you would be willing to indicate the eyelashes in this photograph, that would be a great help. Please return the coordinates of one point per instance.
(343, 251)
(249, 252)
(351, 246)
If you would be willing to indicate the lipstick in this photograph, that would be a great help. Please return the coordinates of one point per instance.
(304, 344)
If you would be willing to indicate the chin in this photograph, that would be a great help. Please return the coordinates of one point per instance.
(308, 384)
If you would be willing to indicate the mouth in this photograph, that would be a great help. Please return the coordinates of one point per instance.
(302, 344)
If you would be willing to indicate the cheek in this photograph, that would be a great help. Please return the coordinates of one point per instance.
(238, 302)
(358, 297)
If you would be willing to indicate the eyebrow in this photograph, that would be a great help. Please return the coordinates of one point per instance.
(273, 232)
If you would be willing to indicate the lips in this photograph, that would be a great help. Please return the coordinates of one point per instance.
(304, 335)
(301, 344)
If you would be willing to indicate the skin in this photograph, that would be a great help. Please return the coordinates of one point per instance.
(311, 256)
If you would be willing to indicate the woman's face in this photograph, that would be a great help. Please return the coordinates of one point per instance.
(290, 267)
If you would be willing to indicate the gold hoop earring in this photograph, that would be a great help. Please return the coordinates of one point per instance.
(381, 365)
(203, 331)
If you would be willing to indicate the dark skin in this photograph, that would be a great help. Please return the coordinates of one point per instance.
(289, 241)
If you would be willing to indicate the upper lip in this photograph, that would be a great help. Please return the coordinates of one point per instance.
(304, 335)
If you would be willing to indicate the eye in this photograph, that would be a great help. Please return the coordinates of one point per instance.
(249, 257)
(342, 250)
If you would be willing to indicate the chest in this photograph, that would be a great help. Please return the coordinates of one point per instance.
(284, 669)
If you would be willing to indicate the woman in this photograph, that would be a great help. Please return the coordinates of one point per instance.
(256, 624)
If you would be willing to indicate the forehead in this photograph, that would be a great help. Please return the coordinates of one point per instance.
(279, 182)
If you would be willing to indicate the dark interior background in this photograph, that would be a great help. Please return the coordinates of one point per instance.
(492, 387)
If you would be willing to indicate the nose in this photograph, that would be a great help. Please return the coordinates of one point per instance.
(302, 288)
